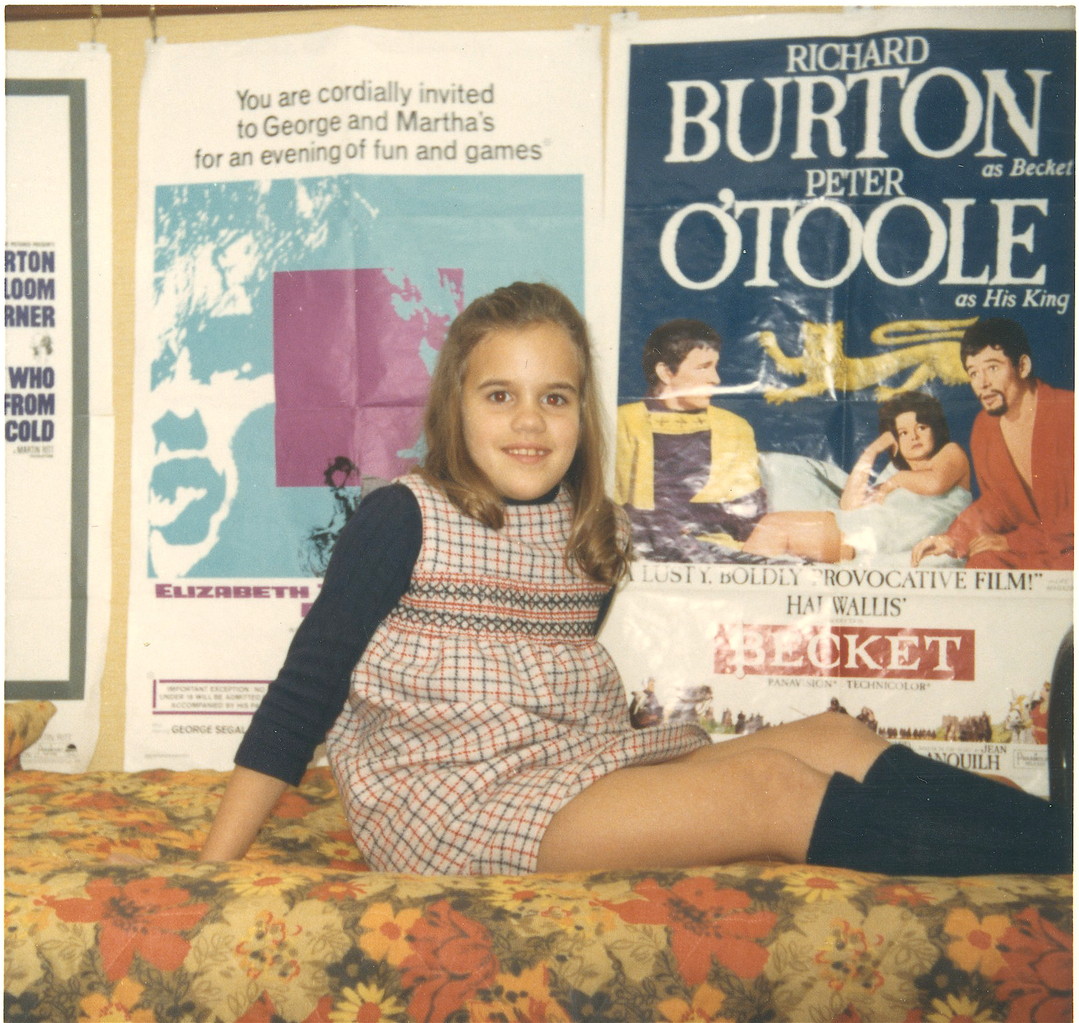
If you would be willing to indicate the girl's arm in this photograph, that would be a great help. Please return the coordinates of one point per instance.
(370, 569)
(249, 798)
(948, 468)
(857, 491)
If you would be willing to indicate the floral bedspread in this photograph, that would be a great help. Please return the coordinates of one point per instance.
(109, 917)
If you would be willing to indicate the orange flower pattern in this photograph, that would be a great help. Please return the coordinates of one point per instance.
(1036, 978)
(977, 945)
(452, 959)
(707, 924)
(119, 1007)
(850, 957)
(110, 917)
(145, 916)
(387, 935)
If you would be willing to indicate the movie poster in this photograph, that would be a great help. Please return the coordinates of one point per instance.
(58, 425)
(833, 507)
(314, 211)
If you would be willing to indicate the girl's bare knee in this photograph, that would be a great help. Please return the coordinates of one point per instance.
(849, 744)
(839, 727)
(780, 797)
(774, 771)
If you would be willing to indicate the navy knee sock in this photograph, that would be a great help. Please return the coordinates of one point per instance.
(1033, 820)
(913, 815)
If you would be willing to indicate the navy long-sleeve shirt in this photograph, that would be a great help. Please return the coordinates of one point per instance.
(370, 570)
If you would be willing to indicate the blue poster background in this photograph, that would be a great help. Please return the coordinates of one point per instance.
(837, 426)
(217, 248)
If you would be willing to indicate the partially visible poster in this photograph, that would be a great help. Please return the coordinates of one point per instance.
(58, 426)
(810, 217)
(314, 211)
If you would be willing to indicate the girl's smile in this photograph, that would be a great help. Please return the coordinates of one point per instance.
(522, 409)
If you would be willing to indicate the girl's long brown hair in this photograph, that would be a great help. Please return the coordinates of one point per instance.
(595, 542)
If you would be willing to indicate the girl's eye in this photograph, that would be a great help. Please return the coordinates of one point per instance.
(498, 397)
(557, 400)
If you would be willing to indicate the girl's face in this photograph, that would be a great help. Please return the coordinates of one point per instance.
(916, 441)
(522, 408)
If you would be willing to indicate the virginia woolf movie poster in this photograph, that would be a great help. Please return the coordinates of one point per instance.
(314, 211)
(58, 427)
(839, 199)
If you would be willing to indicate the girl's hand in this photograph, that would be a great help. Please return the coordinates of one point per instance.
(886, 442)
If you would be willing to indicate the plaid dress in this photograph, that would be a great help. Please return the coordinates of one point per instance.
(483, 702)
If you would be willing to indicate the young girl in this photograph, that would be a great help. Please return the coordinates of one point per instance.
(914, 432)
(475, 723)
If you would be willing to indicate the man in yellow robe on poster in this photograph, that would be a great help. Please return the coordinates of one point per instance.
(687, 472)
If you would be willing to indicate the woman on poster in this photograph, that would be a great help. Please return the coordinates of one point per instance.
(925, 483)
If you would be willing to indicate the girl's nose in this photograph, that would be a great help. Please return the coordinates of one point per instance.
(528, 418)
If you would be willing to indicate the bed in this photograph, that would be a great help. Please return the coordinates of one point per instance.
(881, 534)
(110, 917)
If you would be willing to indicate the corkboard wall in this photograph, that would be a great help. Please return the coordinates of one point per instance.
(126, 38)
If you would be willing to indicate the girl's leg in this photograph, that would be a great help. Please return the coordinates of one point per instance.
(824, 790)
(827, 742)
(687, 812)
(755, 797)
(808, 534)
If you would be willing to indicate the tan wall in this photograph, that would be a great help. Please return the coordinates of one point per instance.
(126, 40)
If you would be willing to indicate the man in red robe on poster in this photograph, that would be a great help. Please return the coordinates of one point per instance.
(1022, 444)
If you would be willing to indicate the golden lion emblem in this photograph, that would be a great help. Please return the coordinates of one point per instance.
(929, 349)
